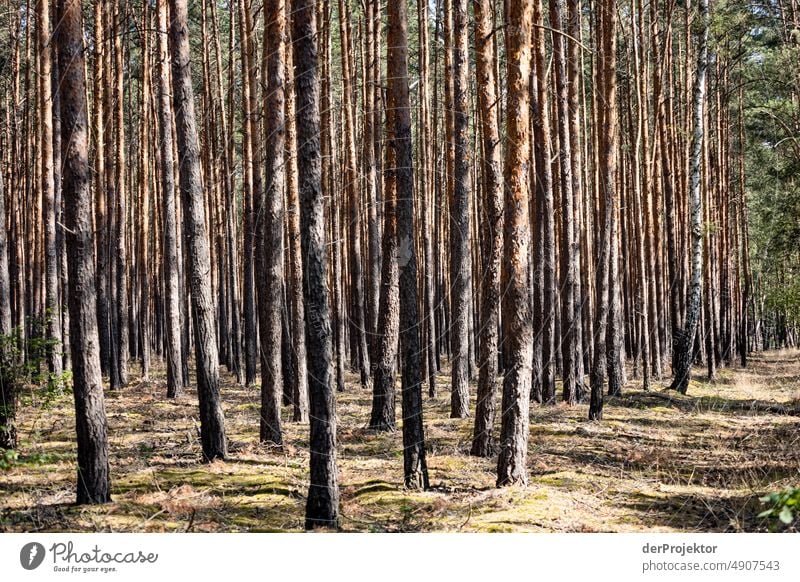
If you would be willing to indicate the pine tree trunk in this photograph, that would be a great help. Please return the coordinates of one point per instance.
(459, 217)
(517, 321)
(370, 169)
(8, 388)
(52, 304)
(382, 416)
(252, 195)
(544, 195)
(328, 162)
(94, 484)
(568, 252)
(212, 421)
(271, 228)
(573, 74)
(322, 506)
(482, 442)
(414, 462)
(99, 113)
(301, 384)
(352, 181)
(144, 177)
(606, 103)
(119, 334)
(170, 230)
(428, 178)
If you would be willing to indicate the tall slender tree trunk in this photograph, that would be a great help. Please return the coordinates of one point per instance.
(301, 385)
(94, 485)
(144, 178)
(52, 304)
(370, 168)
(414, 463)
(544, 195)
(569, 344)
(742, 250)
(61, 248)
(606, 102)
(482, 444)
(99, 113)
(684, 351)
(322, 505)
(252, 195)
(170, 229)
(212, 421)
(328, 163)
(119, 339)
(459, 217)
(271, 225)
(573, 74)
(428, 177)
(8, 387)
(382, 416)
(517, 321)
(351, 185)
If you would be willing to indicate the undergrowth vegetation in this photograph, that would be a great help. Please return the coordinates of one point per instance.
(723, 458)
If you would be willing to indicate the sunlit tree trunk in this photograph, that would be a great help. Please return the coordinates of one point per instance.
(482, 443)
(212, 421)
(52, 305)
(606, 102)
(684, 351)
(93, 485)
(174, 353)
(414, 463)
(301, 384)
(517, 322)
(459, 217)
(545, 207)
(270, 249)
(8, 387)
(322, 505)
(119, 331)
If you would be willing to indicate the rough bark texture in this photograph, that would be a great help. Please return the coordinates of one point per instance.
(322, 505)
(252, 196)
(371, 106)
(143, 261)
(459, 217)
(684, 350)
(170, 228)
(270, 220)
(517, 321)
(300, 384)
(544, 195)
(119, 331)
(382, 416)
(482, 442)
(98, 123)
(351, 185)
(614, 350)
(212, 421)
(574, 90)
(428, 181)
(8, 389)
(94, 485)
(568, 252)
(52, 305)
(414, 464)
(606, 102)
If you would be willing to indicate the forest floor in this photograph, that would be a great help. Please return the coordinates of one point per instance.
(658, 462)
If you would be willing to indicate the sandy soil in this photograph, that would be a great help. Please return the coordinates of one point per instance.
(658, 462)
